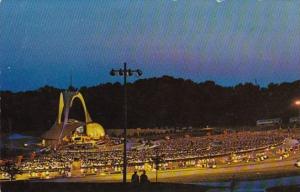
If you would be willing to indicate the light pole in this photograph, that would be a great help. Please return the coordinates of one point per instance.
(157, 159)
(125, 72)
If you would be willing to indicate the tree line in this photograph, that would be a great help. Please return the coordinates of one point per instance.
(154, 102)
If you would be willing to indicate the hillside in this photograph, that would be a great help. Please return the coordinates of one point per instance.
(154, 102)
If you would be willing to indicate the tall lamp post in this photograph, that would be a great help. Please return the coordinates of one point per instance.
(157, 159)
(125, 72)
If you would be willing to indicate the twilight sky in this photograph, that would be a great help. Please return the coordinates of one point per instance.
(42, 41)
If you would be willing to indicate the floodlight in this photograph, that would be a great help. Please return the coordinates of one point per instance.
(112, 73)
(129, 72)
(139, 72)
(121, 72)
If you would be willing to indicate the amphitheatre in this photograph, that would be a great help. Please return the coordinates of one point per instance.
(75, 151)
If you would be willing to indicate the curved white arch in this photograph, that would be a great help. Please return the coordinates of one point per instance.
(86, 113)
(63, 105)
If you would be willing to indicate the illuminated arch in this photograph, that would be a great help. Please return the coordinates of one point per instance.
(66, 102)
(86, 113)
(60, 108)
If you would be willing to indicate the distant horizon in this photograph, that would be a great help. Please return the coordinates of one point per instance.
(130, 80)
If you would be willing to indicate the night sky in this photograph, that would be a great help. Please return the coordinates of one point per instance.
(230, 41)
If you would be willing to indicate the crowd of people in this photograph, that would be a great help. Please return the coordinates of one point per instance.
(194, 149)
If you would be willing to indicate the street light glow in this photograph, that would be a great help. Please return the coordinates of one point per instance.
(297, 102)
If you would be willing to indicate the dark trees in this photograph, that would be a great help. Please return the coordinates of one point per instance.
(154, 102)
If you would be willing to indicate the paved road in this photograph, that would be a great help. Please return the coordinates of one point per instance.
(244, 171)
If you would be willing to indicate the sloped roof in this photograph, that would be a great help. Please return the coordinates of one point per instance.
(55, 131)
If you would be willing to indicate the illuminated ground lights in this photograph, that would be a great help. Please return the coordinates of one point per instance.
(212, 152)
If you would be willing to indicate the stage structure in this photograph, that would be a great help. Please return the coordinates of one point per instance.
(65, 128)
